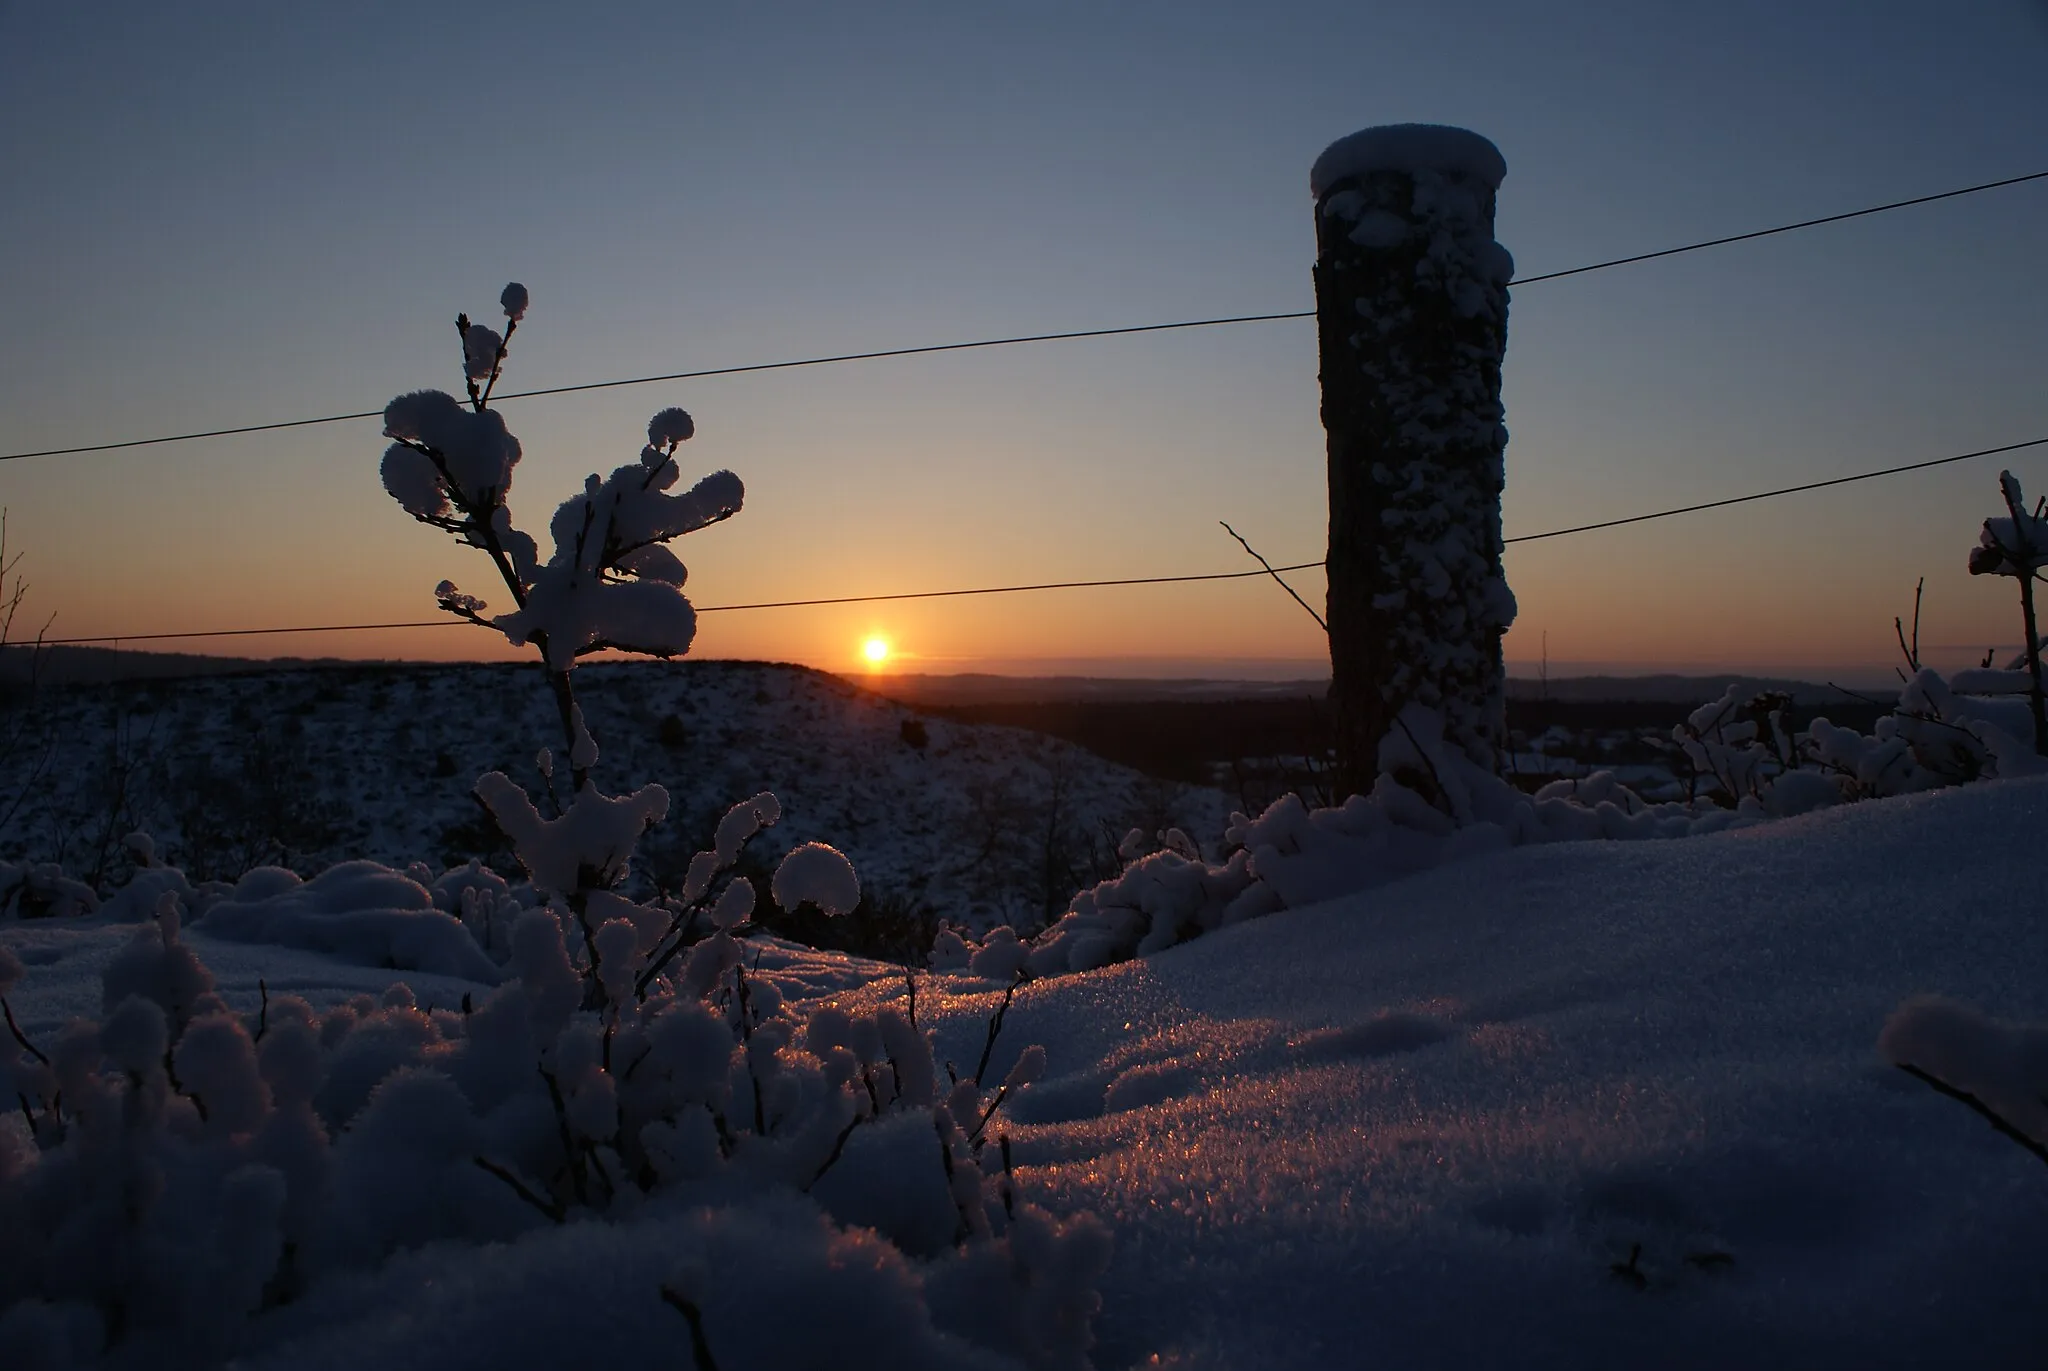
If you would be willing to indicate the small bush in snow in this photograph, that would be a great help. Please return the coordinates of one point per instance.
(177, 1168)
(2017, 546)
(27, 742)
(1433, 804)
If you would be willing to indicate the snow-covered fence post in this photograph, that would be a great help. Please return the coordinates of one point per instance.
(1412, 309)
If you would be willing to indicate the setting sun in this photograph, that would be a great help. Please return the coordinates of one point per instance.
(876, 650)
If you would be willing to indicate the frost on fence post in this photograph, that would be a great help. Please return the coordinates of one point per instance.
(1412, 308)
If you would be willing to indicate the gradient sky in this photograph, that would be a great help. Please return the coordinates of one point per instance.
(218, 214)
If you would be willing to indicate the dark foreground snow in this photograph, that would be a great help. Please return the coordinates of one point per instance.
(1416, 1127)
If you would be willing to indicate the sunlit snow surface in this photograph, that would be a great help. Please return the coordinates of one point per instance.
(1416, 1127)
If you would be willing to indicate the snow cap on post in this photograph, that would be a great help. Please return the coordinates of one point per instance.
(1408, 148)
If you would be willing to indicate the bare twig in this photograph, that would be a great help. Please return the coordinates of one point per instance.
(24, 721)
(19, 1036)
(1320, 621)
(1629, 1270)
(1912, 651)
(2037, 702)
(1009, 1177)
(1989, 1115)
(1854, 695)
(570, 1155)
(700, 1347)
(966, 1228)
(551, 1208)
(476, 398)
(746, 1013)
(498, 363)
(995, 1029)
(1423, 753)
(838, 1150)
(981, 1125)
(679, 929)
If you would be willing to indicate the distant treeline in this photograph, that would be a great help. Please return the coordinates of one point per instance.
(1183, 740)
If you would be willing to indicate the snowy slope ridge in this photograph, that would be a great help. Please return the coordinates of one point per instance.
(378, 763)
(1580, 1104)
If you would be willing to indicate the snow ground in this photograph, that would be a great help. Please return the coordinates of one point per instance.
(1416, 1127)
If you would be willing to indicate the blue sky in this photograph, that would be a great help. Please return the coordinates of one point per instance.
(221, 214)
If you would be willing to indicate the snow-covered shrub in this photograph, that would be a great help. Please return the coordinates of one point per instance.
(1938, 735)
(1737, 746)
(1974, 725)
(28, 742)
(41, 890)
(1750, 768)
(1292, 855)
(611, 583)
(2017, 546)
(1433, 803)
(359, 911)
(888, 925)
(246, 801)
(178, 1168)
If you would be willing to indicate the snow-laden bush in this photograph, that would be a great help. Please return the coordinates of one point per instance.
(2017, 546)
(177, 1168)
(1432, 803)
(1750, 768)
(41, 890)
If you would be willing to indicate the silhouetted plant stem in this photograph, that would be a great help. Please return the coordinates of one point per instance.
(19, 1036)
(700, 1347)
(1320, 622)
(570, 1155)
(2035, 702)
(1989, 1115)
(995, 1029)
(552, 1209)
(498, 363)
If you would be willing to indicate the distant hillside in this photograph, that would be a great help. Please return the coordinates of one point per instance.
(981, 823)
(1665, 689)
(89, 665)
(976, 688)
(85, 665)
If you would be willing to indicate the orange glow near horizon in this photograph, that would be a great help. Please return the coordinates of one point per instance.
(1620, 603)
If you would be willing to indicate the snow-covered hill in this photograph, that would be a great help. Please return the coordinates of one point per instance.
(1579, 1105)
(982, 824)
